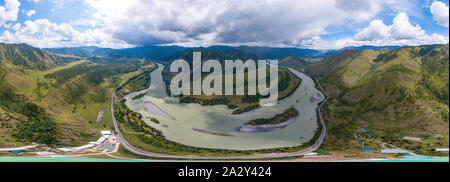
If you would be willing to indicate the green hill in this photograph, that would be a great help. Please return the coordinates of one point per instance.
(55, 100)
(392, 93)
(29, 57)
(92, 53)
(287, 82)
(293, 62)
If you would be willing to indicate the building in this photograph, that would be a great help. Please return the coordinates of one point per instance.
(441, 150)
(411, 138)
(393, 151)
(105, 135)
(106, 132)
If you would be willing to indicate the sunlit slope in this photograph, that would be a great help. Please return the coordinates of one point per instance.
(29, 57)
(393, 93)
(293, 62)
(71, 93)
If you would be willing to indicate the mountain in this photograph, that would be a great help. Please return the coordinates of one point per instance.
(294, 62)
(167, 53)
(92, 52)
(331, 52)
(240, 103)
(30, 57)
(365, 47)
(207, 53)
(392, 93)
(155, 52)
(278, 52)
(19, 116)
(55, 99)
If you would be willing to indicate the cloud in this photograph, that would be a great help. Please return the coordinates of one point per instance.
(35, 1)
(247, 22)
(58, 4)
(440, 13)
(282, 23)
(375, 30)
(31, 12)
(400, 32)
(361, 10)
(43, 33)
(9, 11)
(16, 26)
(401, 28)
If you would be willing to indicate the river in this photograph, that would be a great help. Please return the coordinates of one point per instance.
(182, 122)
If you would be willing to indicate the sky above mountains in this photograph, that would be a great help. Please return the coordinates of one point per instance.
(317, 24)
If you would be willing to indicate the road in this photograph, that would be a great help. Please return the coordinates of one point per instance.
(314, 147)
(19, 148)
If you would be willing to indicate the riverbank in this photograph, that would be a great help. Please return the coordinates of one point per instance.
(218, 118)
(152, 108)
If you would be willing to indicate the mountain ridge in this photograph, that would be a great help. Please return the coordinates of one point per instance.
(167, 53)
(393, 93)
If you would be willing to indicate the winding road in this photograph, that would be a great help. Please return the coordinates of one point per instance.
(312, 148)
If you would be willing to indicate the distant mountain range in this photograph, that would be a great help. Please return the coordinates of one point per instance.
(169, 53)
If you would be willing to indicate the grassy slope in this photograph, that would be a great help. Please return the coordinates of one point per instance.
(73, 102)
(393, 94)
(16, 62)
(76, 104)
(293, 62)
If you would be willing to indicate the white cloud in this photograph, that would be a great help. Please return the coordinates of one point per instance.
(43, 33)
(401, 28)
(399, 33)
(124, 23)
(58, 4)
(8, 25)
(35, 1)
(440, 13)
(375, 30)
(9, 11)
(16, 26)
(31, 12)
(423, 40)
(227, 21)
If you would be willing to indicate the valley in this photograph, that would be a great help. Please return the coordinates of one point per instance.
(377, 99)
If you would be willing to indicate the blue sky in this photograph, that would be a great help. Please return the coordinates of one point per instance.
(318, 24)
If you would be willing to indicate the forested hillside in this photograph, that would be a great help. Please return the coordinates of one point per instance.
(29, 57)
(55, 100)
(287, 82)
(391, 93)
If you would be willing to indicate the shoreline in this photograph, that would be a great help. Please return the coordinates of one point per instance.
(154, 109)
(303, 151)
(266, 127)
(211, 132)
